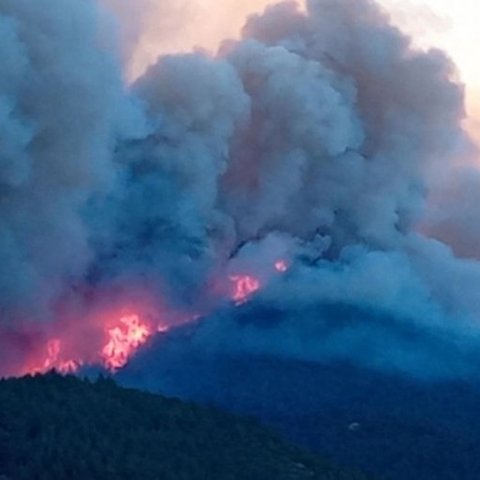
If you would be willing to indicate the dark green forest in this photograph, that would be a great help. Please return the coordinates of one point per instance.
(58, 428)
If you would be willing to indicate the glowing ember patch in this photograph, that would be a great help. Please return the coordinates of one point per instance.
(124, 340)
(244, 286)
(281, 266)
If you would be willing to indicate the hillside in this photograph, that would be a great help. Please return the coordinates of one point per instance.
(56, 428)
(403, 428)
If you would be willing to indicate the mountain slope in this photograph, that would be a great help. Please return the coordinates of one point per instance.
(54, 427)
(386, 424)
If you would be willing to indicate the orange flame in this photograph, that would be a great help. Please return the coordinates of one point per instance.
(123, 336)
(244, 286)
(53, 361)
(116, 337)
(124, 341)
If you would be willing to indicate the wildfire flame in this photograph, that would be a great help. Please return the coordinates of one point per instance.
(118, 336)
(244, 286)
(124, 341)
(53, 360)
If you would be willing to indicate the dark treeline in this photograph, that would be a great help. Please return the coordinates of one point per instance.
(58, 428)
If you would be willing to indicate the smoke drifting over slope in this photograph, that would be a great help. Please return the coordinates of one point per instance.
(320, 138)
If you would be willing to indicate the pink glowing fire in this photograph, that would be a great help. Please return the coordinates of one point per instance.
(115, 335)
(54, 360)
(244, 286)
(281, 266)
(124, 341)
(121, 340)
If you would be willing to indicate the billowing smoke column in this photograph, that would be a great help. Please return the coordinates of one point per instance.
(305, 166)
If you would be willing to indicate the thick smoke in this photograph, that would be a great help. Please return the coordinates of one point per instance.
(62, 105)
(60, 98)
(321, 137)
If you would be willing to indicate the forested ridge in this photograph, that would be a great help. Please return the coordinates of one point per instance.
(57, 428)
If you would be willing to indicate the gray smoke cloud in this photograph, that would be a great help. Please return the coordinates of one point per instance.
(321, 136)
(60, 95)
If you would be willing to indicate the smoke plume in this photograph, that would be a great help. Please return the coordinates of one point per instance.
(321, 142)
